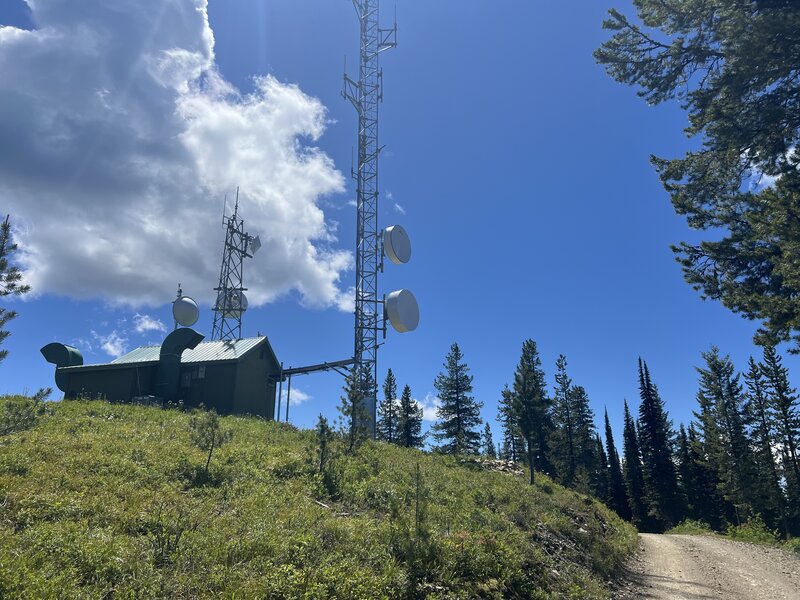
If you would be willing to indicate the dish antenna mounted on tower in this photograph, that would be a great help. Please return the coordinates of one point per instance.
(401, 307)
(231, 302)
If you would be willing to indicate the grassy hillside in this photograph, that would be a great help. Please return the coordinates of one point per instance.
(102, 500)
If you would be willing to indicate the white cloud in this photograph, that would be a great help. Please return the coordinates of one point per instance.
(757, 180)
(298, 396)
(429, 405)
(762, 181)
(346, 301)
(145, 323)
(399, 209)
(120, 139)
(112, 344)
(82, 344)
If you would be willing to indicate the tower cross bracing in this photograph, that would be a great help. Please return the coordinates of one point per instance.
(231, 302)
(365, 95)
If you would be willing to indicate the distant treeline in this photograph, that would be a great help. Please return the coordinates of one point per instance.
(737, 460)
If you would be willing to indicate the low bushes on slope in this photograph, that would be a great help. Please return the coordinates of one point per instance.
(103, 500)
(753, 531)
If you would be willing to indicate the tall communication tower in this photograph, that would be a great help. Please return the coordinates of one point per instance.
(365, 95)
(231, 302)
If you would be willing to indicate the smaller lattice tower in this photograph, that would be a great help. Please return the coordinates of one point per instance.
(231, 302)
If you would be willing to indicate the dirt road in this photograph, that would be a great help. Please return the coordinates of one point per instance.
(671, 567)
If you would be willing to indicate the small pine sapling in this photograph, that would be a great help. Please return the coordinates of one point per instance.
(323, 441)
(207, 434)
(354, 420)
(325, 455)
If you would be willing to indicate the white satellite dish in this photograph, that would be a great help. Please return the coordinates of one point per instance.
(397, 244)
(236, 304)
(185, 311)
(402, 310)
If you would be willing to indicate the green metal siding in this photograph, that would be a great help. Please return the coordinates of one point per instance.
(236, 377)
(252, 386)
(119, 385)
(215, 389)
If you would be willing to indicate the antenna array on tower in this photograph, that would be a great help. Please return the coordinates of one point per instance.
(231, 302)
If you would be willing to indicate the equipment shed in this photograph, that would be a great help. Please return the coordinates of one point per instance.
(230, 376)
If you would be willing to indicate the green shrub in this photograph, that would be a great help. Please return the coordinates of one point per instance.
(164, 527)
(18, 413)
(754, 530)
(793, 545)
(691, 527)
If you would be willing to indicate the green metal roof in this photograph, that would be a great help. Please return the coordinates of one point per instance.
(204, 352)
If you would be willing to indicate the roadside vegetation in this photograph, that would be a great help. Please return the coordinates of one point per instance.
(100, 500)
(753, 531)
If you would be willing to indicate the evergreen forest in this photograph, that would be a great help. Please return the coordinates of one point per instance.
(735, 463)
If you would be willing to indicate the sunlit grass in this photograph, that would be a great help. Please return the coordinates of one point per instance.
(99, 498)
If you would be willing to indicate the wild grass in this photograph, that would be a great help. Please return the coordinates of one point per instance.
(102, 500)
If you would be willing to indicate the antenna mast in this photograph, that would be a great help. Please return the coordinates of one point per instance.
(365, 94)
(231, 301)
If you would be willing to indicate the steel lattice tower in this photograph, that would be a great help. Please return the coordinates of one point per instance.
(231, 303)
(365, 95)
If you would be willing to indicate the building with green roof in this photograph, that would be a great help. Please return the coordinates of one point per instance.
(230, 376)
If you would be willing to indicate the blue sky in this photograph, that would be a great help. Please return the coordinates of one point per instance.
(518, 167)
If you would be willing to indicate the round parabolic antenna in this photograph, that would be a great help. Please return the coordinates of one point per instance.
(185, 311)
(403, 310)
(397, 244)
(236, 303)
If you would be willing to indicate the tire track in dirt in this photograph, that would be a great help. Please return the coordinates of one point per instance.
(672, 567)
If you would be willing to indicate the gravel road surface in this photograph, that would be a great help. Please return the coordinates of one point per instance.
(673, 567)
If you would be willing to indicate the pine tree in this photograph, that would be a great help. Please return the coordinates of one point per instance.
(544, 455)
(761, 425)
(663, 496)
(505, 449)
(697, 480)
(10, 277)
(354, 420)
(369, 389)
(600, 479)
(585, 443)
(530, 406)
(459, 413)
(410, 421)
(618, 497)
(707, 505)
(563, 438)
(388, 426)
(733, 67)
(722, 429)
(513, 447)
(632, 471)
(488, 443)
(685, 473)
(783, 401)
